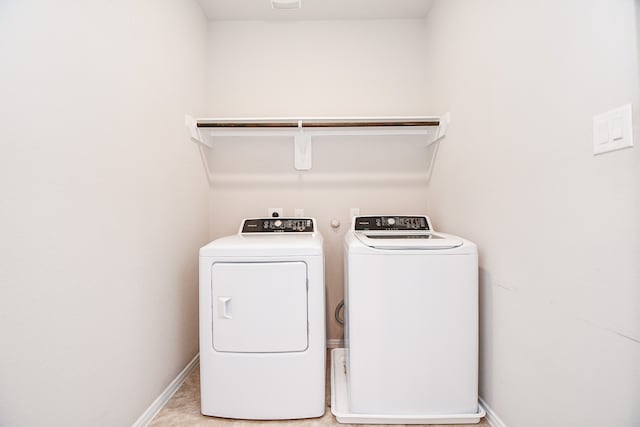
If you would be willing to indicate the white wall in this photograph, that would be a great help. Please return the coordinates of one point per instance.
(556, 226)
(316, 68)
(103, 206)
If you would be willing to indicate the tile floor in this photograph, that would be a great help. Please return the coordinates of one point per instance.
(183, 410)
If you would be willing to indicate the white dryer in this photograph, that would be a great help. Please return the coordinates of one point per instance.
(411, 326)
(262, 321)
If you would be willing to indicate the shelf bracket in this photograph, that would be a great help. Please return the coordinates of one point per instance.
(442, 127)
(302, 149)
(194, 131)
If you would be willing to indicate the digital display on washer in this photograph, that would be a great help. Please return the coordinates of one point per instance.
(278, 225)
(391, 223)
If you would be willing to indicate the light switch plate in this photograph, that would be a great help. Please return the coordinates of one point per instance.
(613, 130)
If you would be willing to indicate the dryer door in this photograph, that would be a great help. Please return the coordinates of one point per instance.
(259, 307)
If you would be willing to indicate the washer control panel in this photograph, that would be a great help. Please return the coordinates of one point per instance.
(391, 223)
(278, 225)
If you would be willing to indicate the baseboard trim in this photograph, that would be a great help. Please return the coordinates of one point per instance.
(158, 404)
(335, 343)
(491, 417)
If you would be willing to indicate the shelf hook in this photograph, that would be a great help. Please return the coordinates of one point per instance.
(302, 151)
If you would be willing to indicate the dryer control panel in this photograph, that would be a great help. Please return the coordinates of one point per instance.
(278, 225)
(391, 223)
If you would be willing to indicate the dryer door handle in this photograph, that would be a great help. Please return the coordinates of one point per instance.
(224, 307)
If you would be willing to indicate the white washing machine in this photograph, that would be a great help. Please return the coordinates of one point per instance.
(262, 321)
(411, 326)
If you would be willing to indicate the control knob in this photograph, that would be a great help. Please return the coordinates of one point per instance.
(391, 221)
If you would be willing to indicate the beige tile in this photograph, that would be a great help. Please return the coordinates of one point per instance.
(183, 410)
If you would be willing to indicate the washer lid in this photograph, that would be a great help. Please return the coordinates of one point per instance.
(407, 240)
(401, 232)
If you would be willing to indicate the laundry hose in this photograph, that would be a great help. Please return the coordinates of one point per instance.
(339, 308)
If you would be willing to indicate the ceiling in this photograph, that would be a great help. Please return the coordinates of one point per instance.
(251, 10)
